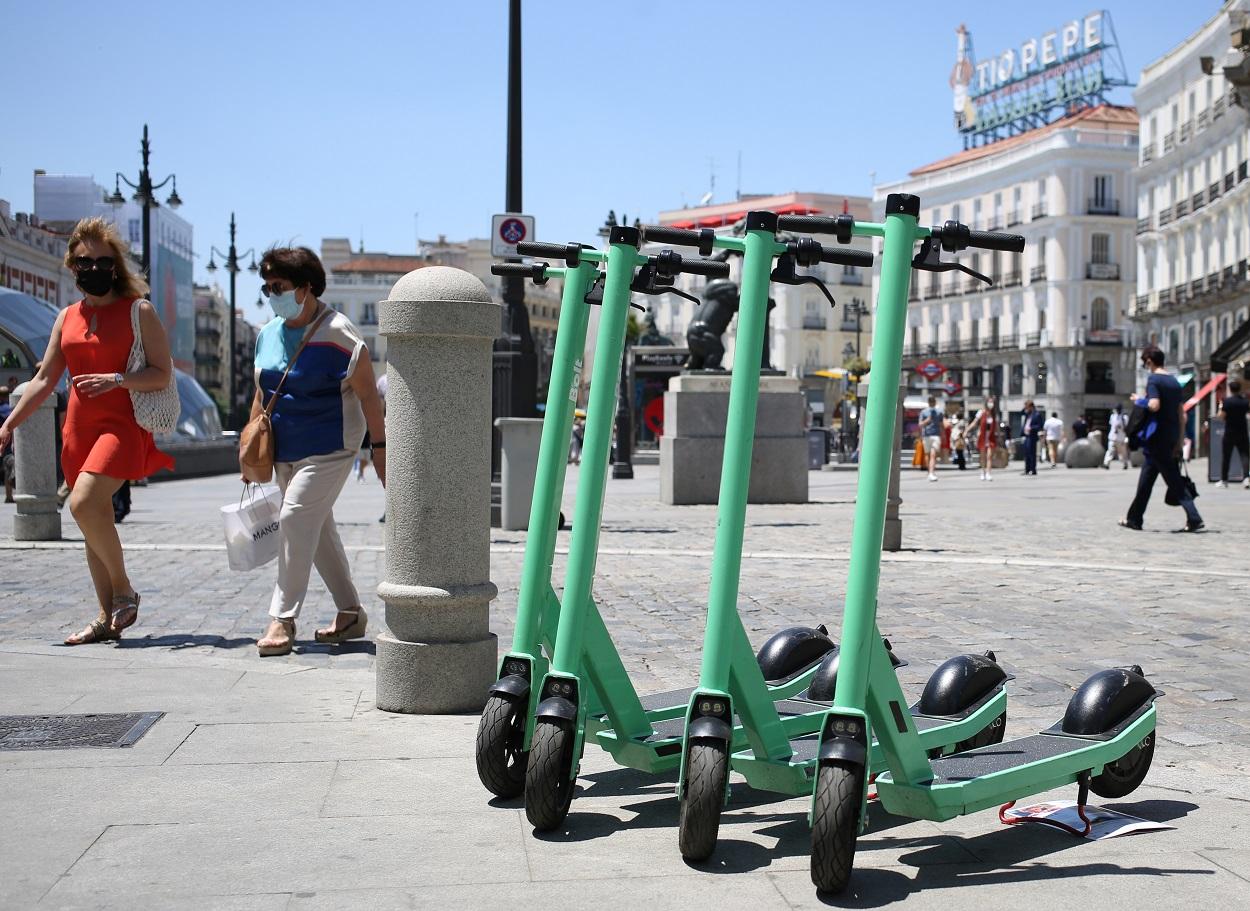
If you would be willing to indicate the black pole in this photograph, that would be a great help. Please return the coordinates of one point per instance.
(512, 189)
(145, 194)
(232, 264)
(623, 464)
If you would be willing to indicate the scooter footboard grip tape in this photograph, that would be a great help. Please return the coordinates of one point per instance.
(994, 240)
(709, 267)
(846, 257)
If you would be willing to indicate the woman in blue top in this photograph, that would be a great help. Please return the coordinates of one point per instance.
(325, 405)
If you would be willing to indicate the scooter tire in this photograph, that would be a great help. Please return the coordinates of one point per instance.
(1124, 775)
(548, 781)
(835, 824)
(702, 799)
(987, 736)
(501, 759)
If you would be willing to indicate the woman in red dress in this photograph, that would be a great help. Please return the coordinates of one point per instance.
(985, 425)
(103, 445)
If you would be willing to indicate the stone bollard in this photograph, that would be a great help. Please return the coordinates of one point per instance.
(439, 655)
(34, 463)
(518, 464)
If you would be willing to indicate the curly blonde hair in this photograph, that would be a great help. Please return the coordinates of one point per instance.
(125, 282)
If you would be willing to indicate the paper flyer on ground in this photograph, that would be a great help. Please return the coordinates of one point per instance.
(1103, 823)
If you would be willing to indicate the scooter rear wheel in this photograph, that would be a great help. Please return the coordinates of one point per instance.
(991, 734)
(548, 776)
(835, 824)
(499, 748)
(1124, 775)
(707, 769)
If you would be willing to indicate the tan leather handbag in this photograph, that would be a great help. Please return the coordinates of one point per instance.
(256, 442)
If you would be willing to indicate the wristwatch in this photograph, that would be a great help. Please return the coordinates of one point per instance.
(381, 444)
(118, 378)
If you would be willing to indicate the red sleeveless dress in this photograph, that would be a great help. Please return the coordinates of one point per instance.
(100, 434)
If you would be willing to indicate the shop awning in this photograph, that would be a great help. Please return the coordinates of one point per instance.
(1234, 348)
(1202, 393)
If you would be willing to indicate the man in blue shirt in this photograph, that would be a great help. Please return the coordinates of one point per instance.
(1032, 425)
(1161, 445)
(931, 422)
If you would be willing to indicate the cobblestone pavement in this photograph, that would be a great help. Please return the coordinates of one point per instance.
(1034, 568)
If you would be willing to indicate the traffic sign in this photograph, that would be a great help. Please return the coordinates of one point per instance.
(930, 369)
(953, 387)
(508, 230)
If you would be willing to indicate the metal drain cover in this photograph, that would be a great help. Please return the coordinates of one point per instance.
(67, 732)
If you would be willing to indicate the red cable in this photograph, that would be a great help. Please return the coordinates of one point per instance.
(1053, 823)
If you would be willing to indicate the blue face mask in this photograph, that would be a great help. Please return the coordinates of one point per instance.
(285, 305)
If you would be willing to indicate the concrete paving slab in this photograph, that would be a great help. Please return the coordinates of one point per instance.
(154, 748)
(163, 901)
(376, 787)
(35, 852)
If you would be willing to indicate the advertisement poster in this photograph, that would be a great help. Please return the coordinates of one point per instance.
(172, 295)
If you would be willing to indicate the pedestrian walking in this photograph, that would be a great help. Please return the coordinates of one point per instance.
(6, 452)
(985, 426)
(1161, 445)
(1117, 438)
(575, 442)
(1030, 429)
(959, 441)
(327, 401)
(103, 447)
(1053, 429)
(932, 421)
(1233, 413)
(1080, 428)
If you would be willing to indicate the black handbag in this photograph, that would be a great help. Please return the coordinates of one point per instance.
(1136, 423)
(1190, 487)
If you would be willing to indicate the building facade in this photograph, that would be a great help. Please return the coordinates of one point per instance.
(211, 315)
(32, 259)
(1054, 326)
(1193, 197)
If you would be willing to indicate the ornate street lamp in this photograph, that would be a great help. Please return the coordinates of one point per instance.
(144, 194)
(231, 265)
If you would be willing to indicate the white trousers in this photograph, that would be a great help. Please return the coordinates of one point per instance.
(307, 536)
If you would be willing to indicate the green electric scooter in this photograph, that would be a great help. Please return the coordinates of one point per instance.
(639, 732)
(964, 704)
(1104, 742)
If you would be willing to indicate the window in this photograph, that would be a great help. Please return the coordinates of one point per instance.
(1100, 248)
(1174, 345)
(1041, 320)
(996, 380)
(994, 331)
(1100, 378)
(1226, 328)
(976, 332)
(954, 336)
(1191, 342)
(1017, 380)
(1100, 314)
(1208, 333)
(978, 381)
(915, 339)
(368, 315)
(955, 212)
(1102, 192)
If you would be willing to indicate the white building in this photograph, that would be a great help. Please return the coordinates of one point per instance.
(32, 259)
(1054, 325)
(1193, 229)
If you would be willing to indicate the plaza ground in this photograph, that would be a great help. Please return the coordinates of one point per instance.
(276, 784)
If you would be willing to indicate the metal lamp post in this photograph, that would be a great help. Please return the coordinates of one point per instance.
(623, 463)
(232, 266)
(144, 191)
(858, 308)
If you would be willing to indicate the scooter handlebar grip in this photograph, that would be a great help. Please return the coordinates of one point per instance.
(846, 257)
(681, 237)
(566, 252)
(994, 240)
(810, 224)
(709, 267)
(514, 269)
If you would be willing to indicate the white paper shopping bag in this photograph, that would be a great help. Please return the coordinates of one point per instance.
(251, 527)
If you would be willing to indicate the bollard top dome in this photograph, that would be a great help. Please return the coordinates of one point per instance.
(439, 283)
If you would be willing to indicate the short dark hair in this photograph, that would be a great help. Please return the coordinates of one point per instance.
(1234, 386)
(932, 400)
(1054, 414)
(1154, 355)
(298, 265)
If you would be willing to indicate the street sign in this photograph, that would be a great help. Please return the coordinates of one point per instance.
(508, 230)
(930, 369)
(953, 387)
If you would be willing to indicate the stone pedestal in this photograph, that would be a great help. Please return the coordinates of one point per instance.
(34, 462)
(439, 655)
(518, 464)
(696, 410)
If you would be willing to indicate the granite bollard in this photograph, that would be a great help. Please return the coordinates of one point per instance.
(439, 654)
(518, 465)
(34, 463)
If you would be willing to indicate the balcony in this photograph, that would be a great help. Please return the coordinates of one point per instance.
(1165, 216)
(1213, 281)
(1187, 130)
(1143, 304)
(1039, 211)
(1012, 280)
(814, 322)
(1033, 340)
(953, 347)
(1107, 338)
(1103, 272)
(952, 290)
(1169, 142)
(1197, 202)
(1013, 218)
(1182, 209)
(1165, 297)
(972, 285)
(913, 294)
(1204, 119)
(1230, 181)
(1241, 172)
(1143, 225)
(852, 278)
(1008, 342)
(1196, 287)
(1148, 153)
(996, 223)
(1213, 192)
(1104, 206)
(1038, 273)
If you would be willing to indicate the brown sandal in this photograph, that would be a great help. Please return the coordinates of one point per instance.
(354, 630)
(271, 647)
(98, 630)
(127, 607)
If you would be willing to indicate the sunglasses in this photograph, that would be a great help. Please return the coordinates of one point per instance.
(271, 290)
(86, 263)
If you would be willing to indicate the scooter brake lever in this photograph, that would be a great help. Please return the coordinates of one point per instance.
(929, 259)
(784, 273)
(594, 296)
(650, 281)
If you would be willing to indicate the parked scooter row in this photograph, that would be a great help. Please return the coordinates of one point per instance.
(776, 717)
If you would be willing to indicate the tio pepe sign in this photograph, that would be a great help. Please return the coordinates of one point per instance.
(507, 230)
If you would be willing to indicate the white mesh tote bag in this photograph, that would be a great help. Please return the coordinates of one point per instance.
(154, 411)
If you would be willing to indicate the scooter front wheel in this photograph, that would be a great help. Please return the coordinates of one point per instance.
(499, 748)
(548, 776)
(707, 770)
(835, 824)
(1120, 778)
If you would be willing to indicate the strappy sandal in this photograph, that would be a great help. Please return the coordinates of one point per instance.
(269, 647)
(354, 630)
(98, 630)
(125, 608)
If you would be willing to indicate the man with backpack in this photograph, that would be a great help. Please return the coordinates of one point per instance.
(1159, 436)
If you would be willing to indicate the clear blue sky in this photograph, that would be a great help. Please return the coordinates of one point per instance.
(331, 119)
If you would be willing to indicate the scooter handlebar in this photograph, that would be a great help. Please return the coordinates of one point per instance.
(526, 270)
(680, 237)
(708, 267)
(995, 240)
(846, 257)
(570, 253)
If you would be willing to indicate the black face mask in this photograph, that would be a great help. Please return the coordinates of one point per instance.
(95, 282)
